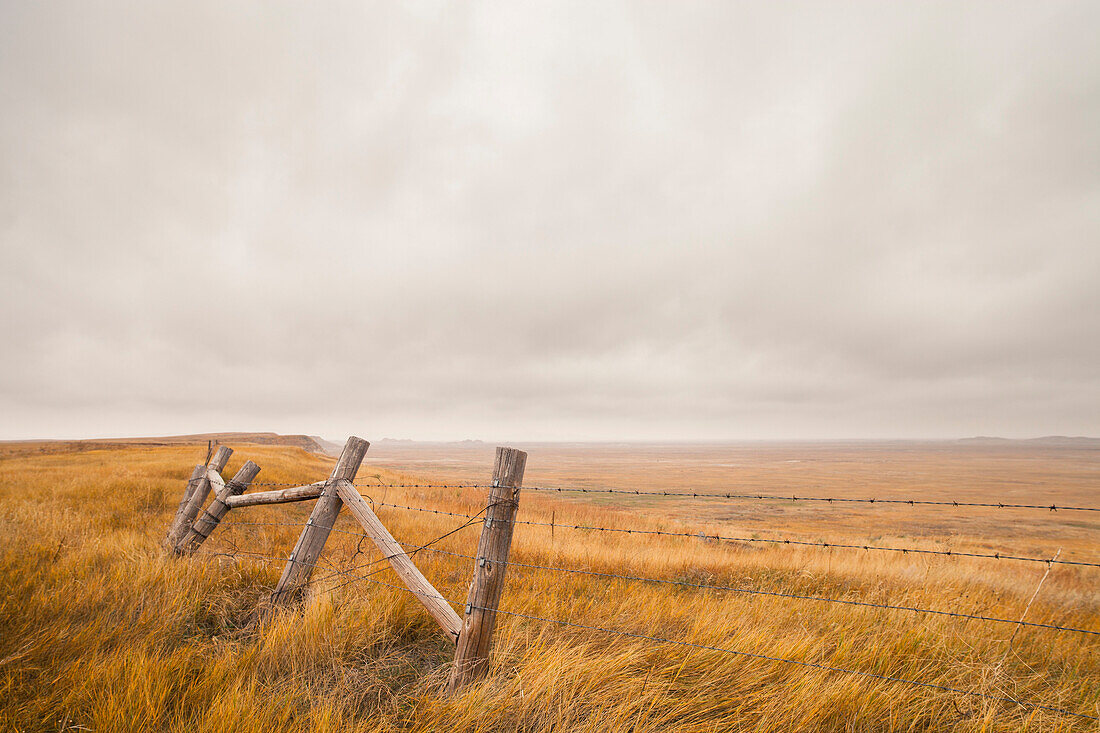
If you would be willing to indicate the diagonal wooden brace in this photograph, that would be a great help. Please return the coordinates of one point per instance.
(424, 591)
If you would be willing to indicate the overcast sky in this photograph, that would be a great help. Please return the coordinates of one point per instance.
(550, 221)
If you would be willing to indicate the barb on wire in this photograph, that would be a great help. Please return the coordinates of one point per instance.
(236, 553)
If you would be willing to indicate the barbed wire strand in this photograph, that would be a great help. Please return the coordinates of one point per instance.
(772, 540)
(827, 499)
(1054, 507)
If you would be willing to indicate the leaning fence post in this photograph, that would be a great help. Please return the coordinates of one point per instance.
(300, 564)
(205, 524)
(472, 653)
(192, 483)
(197, 497)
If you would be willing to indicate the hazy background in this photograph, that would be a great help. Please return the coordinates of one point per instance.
(550, 221)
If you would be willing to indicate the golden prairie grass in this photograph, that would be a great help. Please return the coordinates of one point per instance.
(100, 630)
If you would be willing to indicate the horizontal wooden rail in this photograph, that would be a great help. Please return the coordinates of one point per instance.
(280, 496)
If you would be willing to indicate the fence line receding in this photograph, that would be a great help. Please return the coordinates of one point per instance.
(471, 627)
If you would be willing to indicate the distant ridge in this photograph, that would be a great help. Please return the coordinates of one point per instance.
(1074, 441)
(409, 441)
(304, 442)
(327, 446)
(1053, 441)
(333, 448)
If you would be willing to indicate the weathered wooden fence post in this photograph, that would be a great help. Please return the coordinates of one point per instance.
(472, 653)
(197, 492)
(205, 524)
(192, 483)
(299, 566)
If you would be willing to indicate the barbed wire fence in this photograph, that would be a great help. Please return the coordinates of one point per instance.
(406, 548)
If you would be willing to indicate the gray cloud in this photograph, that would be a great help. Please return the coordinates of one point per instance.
(613, 220)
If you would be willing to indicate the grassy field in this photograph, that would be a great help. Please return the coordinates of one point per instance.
(100, 630)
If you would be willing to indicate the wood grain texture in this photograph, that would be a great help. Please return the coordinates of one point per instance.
(299, 567)
(475, 641)
(217, 483)
(208, 521)
(279, 496)
(184, 520)
(424, 591)
(192, 483)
